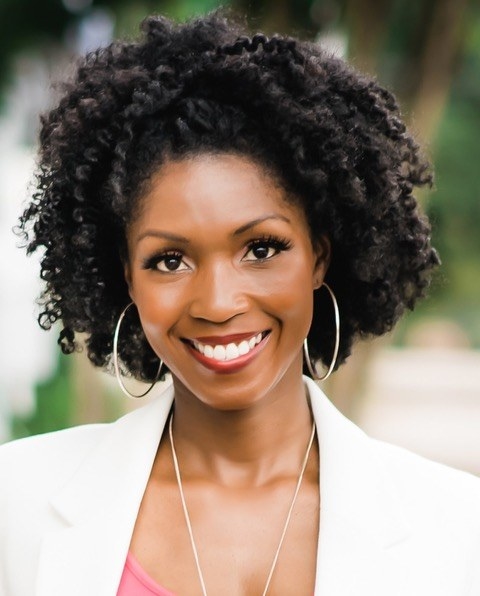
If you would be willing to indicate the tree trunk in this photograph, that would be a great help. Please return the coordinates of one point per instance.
(367, 22)
(443, 42)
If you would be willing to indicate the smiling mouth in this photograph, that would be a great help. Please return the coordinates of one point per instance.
(230, 351)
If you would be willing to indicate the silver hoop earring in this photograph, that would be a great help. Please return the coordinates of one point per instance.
(310, 365)
(115, 360)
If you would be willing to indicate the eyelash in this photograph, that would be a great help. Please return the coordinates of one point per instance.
(277, 243)
(153, 261)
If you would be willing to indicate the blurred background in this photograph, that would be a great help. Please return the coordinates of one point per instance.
(418, 387)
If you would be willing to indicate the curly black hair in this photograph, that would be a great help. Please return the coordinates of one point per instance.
(333, 137)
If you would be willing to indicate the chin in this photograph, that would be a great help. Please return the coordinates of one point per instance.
(239, 390)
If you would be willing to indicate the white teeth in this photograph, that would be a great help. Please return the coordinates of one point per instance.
(230, 351)
(219, 352)
(243, 348)
(200, 347)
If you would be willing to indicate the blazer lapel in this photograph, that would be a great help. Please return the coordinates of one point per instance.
(361, 519)
(97, 509)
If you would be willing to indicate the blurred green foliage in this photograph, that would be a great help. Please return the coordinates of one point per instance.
(454, 209)
(454, 204)
(53, 409)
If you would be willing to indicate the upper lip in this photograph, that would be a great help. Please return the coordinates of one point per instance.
(223, 340)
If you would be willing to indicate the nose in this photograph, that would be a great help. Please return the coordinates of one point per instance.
(219, 293)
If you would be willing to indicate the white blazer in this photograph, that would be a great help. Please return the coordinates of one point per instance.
(391, 523)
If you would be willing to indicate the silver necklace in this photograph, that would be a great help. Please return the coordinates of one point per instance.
(187, 516)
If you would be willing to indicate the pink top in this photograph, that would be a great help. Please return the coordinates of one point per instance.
(135, 582)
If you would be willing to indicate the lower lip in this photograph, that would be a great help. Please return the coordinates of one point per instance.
(228, 366)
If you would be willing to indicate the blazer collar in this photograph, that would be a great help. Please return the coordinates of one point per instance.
(97, 508)
(119, 466)
(360, 517)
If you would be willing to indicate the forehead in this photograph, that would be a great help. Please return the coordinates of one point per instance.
(214, 191)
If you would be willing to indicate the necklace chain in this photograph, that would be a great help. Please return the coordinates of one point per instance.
(189, 524)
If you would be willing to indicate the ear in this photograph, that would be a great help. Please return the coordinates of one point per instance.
(322, 260)
(127, 273)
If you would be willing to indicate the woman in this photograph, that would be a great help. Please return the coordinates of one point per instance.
(235, 211)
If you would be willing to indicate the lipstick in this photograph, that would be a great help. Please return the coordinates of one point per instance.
(226, 356)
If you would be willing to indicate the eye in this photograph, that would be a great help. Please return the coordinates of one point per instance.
(167, 263)
(263, 249)
(260, 252)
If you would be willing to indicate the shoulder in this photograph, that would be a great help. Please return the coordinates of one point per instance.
(414, 477)
(430, 491)
(39, 466)
(73, 435)
(424, 473)
(77, 438)
(43, 462)
(32, 471)
(441, 505)
(35, 468)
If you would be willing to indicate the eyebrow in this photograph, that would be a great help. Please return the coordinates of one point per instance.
(241, 230)
(256, 222)
(164, 235)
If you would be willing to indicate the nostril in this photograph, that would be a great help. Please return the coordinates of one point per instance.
(217, 311)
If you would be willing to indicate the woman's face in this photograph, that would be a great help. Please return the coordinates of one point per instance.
(222, 270)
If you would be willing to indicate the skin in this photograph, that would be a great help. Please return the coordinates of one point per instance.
(240, 435)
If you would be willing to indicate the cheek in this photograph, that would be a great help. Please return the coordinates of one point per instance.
(153, 323)
(291, 297)
(158, 308)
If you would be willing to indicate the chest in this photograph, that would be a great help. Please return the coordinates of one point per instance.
(236, 532)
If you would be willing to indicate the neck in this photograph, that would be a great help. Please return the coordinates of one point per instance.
(246, 447)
